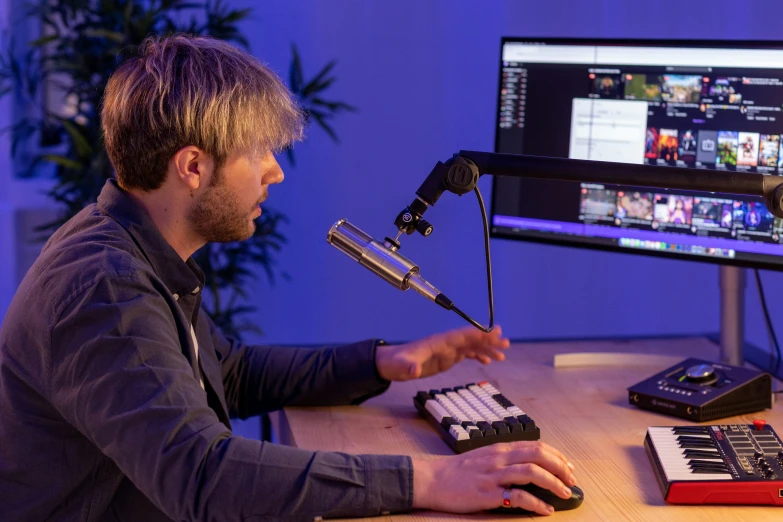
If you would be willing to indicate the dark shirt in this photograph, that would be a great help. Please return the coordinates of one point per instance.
(102, 413)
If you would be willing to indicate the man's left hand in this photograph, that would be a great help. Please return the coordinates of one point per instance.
(438, 353)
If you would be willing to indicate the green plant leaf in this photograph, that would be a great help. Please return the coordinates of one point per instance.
(63, 161)
(83, 147)
(295, 71)
(86, 40)
(44, 40)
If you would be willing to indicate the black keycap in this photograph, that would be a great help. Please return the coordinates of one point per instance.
(501, 428)
(423, 397)
(457, 388)
(475, 434)
(486, 429)
(447, 422)
(444, 391)
(526, 422)
(500, 399)
(434, 392)
(513, 424)
(465, 424)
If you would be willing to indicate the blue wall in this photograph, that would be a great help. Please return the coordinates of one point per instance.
(424, 77)
(423, 74)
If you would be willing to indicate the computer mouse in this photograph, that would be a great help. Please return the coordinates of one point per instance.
(560, 504)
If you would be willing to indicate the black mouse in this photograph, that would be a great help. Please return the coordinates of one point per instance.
(560, 504)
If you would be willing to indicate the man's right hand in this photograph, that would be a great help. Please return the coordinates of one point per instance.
(474, 481)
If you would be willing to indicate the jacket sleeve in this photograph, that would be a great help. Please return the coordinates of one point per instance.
(117, 374)
(259, 379)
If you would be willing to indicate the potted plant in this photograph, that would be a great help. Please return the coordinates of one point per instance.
(82, 42)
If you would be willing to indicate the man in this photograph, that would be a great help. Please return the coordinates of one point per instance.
(116, 389)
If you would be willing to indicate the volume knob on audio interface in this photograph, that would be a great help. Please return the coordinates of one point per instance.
(700, 372)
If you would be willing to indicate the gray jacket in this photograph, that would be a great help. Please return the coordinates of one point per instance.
(102, 414)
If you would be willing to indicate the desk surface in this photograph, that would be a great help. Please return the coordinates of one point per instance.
(581, 411)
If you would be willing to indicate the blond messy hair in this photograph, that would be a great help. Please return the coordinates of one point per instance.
(183, 90)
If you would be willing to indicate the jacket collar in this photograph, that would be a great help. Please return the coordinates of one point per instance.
(181, 277)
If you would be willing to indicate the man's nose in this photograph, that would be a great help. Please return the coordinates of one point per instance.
(274, 174)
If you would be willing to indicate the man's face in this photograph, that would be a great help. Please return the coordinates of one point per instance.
(227, 209)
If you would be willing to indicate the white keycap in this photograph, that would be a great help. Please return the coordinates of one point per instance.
(436, 410)
(458, 432)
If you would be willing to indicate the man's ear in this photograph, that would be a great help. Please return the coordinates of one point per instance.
(192, 166)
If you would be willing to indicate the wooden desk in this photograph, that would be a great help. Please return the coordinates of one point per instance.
(581, 411)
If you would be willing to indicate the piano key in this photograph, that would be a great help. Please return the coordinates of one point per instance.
(695, 438)
(710, 474)
(690, 429)
(708, 461)
(696, 454)
(706, 467)
(674, 463)
(691, 445)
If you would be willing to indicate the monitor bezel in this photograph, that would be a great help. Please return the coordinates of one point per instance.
(562, 240)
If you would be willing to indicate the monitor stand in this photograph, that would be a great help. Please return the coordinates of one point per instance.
(733, 348)
(732, 315)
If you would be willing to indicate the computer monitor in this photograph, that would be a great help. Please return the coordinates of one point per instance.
(699, 104)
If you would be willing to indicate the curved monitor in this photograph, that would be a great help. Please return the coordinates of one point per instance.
(698, 104)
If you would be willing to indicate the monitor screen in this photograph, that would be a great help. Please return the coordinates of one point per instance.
(703, 105)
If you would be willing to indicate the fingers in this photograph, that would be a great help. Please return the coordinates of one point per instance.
(530, 473)
(524, 500)
(470, 336)
(543, 455)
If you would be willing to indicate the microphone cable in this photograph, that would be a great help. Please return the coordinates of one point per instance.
(459, 312)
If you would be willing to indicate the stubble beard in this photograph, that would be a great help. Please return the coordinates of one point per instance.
(218, 216)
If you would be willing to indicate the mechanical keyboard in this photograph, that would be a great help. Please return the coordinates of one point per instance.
(721, 464)
(475, 415)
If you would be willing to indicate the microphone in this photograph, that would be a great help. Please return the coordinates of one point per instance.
(383, 260)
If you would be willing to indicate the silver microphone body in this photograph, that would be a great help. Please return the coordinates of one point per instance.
(381, 258)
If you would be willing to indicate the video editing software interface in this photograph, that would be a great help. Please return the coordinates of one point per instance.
(711, 107)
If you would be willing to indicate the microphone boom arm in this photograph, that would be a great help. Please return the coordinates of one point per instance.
(460, 173)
